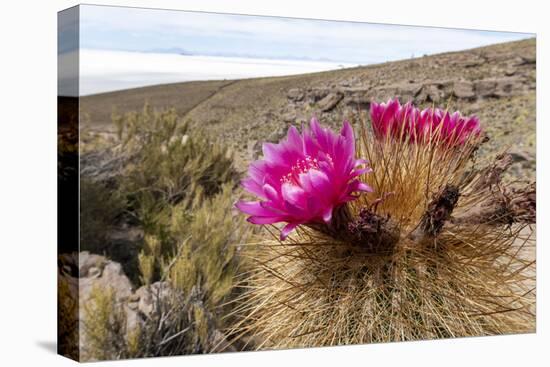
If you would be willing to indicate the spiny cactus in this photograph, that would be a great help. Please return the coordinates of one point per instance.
(439, 248)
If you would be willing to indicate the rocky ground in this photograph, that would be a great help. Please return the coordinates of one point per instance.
(497, 83)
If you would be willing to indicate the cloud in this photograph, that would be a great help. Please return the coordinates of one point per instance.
(317, 44)
(208, 33)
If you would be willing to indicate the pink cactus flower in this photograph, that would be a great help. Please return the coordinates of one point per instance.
(304, 178)
(406, 122)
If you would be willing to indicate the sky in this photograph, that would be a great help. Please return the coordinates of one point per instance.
(333, 43)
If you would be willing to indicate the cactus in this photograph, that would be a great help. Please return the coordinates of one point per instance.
(440, 248)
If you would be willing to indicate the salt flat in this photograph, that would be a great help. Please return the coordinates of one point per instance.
(105, 70)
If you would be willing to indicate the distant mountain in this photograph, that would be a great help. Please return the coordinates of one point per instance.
(270, 57)
(170, 50)
(181, 51)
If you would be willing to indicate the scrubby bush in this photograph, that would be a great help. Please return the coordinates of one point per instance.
(200, 276)
(169, 162)
(207, 259)
(178, 187)
(105, 327)
(99, 209)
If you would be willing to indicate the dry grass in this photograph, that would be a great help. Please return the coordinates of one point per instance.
(437, 280)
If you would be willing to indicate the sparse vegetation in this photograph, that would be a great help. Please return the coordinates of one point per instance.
(100, 208)
(163, 183)
(105, 327)
(178, 188)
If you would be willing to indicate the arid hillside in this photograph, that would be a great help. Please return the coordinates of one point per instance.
(164, 254)
(496, 82)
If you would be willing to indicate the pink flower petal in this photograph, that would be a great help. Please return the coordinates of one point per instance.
(327, 215)
(270, 192)
(406, 122)
(264, 220)
(304, 177)
(295, 139)
(294, 195)
(252, 186)
(287, 229)
(253, 208)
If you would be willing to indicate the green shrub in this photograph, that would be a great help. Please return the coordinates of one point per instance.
(169, 163)
(179, 188)
(208, 258)
(100, 206)
(178, 325)
(104, 326)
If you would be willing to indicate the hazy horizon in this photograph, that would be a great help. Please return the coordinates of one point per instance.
(106, 71)
(123, 48)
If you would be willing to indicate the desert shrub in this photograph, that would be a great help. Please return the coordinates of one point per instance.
(99, 209)
(172, 184)
(207, 258)
(104, 326)
(147, 258)
(203, 263)
(170, 169)
(169, 163)
(200, 274)
(178, 187)
(156, 164)
(178, 324)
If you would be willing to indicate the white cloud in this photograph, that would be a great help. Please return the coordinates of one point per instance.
(361, 38)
